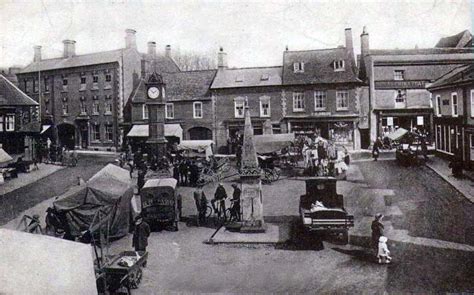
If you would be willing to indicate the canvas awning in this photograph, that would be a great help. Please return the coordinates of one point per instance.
(44, 128)
(142, 131)
(41, 264)
(4, 156)
(199, 146)
(397, 134)
(270, 143)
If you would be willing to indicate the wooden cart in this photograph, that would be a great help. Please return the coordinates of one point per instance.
(112, 277)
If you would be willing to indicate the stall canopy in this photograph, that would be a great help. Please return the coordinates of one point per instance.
(270, 143)
(110, 192)
(197, 147)
(45, 128)
(397, 134)
(4, 157)
(170, 130)
(41, 264)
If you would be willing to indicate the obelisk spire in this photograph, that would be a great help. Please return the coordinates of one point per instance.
(249, 165)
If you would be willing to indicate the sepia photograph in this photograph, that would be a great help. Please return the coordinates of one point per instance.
(236, 147)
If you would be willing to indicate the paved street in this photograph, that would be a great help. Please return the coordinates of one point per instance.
(180, 262)
(13, 203)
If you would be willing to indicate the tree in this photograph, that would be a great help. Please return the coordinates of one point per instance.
(193, 61)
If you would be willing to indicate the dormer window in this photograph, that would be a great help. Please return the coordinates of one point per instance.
(239, 78)
(264, 77)
(338, 65)
(298, 67)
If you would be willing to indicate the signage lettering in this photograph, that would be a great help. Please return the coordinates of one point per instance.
(400, 84)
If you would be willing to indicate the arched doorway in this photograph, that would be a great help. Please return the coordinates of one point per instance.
(200, 133)
(67, 135)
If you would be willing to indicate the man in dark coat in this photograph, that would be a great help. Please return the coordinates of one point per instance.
(140, 234)
(219, 196)
(377, 231)
(201, 204)
(236, 202)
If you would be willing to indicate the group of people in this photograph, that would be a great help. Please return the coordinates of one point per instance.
(323, 158)
(186, 172)
(220, 197)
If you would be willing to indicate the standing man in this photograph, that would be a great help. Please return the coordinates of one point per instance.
(220, 195)
(376, 148)
(201, 204)
(140, 234)
(377, 231)
(236, 202)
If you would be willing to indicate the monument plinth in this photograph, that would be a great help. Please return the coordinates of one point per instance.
(251, 199)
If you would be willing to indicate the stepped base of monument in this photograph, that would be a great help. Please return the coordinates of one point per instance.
(273, 234)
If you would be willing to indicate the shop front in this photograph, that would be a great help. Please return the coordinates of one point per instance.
(420, 120)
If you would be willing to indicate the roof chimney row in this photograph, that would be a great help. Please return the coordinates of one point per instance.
(69, 48)
(168, 51)
(364, 42)
(221, 59)
(152, 48)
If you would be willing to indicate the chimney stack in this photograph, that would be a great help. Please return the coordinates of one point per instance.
(69, 48)
(349, 43)
(37, 56)
(168, 51)
(221, 59)
(364, 42)
(152, 49)
(130, 39)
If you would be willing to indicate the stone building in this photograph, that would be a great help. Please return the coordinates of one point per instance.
(19, 120)
(397, 80)
(83, 96)
(453, 96)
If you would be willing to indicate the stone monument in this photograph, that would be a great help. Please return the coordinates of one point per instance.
(251, 199)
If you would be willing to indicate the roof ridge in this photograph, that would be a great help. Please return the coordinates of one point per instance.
(191, 71)
(250, 68)
(322, 49)
(21, 92)
(441, 78)
(79, 55)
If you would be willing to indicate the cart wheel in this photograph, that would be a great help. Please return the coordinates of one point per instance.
(208, 211)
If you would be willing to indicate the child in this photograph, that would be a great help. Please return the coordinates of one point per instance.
(383, 254)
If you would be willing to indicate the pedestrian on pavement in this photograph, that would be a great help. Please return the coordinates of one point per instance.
(424, 148)
(377, 231)
(236, 202)
(201, 205)
(219, 196)
(176, 172)
(183, 172)
(383, 254)
(376, 148)
(140, 234)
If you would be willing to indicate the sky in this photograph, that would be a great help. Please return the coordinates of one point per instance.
(252, 33)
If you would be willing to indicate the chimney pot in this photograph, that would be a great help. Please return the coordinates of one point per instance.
(130, 38)
(348, 35)
(168, 51)
(152, 48)
(364, 42)
(221, 59)
(69, 48)
(37, 56)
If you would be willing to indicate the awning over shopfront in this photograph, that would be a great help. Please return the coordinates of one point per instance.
(170, 130)
(196, 147)
(272, 142)
(4, 157)
(44, 128)
(397, 134)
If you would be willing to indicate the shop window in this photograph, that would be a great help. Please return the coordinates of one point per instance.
(239, 108)
(197, 110)
(264, 106)
(399, 75)
(454, 104)
(169, 110)
(298, 102)
(257, 131)
(276, 128)
(109, 132)
(10, 123)
(342, 98)
(96, 132)
(319, 100)
(145, 112)
(298, 67)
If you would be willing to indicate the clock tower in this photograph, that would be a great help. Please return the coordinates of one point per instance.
(155, 101)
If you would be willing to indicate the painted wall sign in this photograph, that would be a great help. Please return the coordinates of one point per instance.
(400, 84)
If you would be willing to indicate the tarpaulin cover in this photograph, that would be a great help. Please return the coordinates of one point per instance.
(142, 131)
(397, 134)
(39, 264)
(198, 146)
(110, 191)
(272, 142)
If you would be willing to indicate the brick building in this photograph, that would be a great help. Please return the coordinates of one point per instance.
(83, 96)
(397, 81)
(453, 96)
(19, 120)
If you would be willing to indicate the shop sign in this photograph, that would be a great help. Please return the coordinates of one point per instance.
(400, 84)
(419, 120)
(389, 121)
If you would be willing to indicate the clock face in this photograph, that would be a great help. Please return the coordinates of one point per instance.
(153, 92)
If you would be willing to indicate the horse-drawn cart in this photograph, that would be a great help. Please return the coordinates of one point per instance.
(123, 271)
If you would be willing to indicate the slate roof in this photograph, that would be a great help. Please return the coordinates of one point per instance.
(190, 85)
(419, 51)
(248, 77)
(462, 39)
(10, 95)
(164, 64)
(462, 74)
(318, 67)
